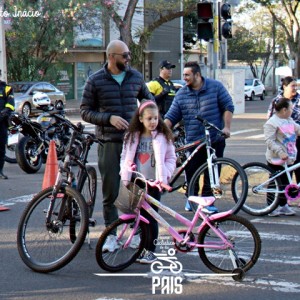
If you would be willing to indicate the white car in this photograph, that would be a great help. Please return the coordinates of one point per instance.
(254, 88)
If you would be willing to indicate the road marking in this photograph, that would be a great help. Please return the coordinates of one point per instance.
(277, 221)
(257, 283)
(20, 199)
(258, 136)
(244, 131)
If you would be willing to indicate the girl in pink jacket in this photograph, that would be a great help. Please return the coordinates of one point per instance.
(148, 143)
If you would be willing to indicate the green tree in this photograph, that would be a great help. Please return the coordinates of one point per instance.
(286, 15)
(157, 12)
(33, 44)
(251, 42)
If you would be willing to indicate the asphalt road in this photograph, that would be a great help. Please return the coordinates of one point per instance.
(275, 276)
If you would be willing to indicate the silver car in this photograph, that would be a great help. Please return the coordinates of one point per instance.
(24, 91)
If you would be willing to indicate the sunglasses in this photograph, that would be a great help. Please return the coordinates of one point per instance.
(125, 55)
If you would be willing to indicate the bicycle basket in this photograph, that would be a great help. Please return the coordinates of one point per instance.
(129, 197)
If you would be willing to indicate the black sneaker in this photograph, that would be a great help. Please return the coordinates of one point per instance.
(147, 257)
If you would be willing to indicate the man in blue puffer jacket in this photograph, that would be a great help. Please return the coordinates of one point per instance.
(208, 99)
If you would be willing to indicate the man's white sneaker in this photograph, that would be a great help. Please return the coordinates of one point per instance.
(286, 210)
(110, 244)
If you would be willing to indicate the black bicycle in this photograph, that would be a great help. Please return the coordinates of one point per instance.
(223, 178)
(54, 225)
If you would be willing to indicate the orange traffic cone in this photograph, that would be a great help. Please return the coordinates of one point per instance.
(51, 169)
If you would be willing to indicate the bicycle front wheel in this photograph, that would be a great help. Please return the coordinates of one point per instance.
(87, 186)
(263, 194)
(231, 190)
(123, 255)
(48, 246)
(246, 245)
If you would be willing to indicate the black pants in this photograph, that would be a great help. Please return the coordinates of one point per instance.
(284, 181)
(153, 225)
(297, 171)
(3, 141)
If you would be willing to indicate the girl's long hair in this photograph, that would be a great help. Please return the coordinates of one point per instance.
(135, 125)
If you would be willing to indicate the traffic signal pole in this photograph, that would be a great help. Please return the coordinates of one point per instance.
(3, 70)
(216, 45)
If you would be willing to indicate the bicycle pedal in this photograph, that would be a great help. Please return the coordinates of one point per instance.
(92, 222)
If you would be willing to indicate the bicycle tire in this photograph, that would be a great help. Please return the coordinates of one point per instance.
(261, 203)
(87, 186)
(230, 196)
(49, 248)
(122, 257)
(243, 235)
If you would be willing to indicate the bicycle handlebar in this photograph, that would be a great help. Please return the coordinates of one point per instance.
(208, 125)
(153, 183)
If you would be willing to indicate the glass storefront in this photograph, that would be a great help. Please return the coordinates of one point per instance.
(66, 80)
(84, 70)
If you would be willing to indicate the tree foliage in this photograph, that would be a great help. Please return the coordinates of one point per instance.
(286, 15)
(34, 43)
(252, 42)
(157, 12)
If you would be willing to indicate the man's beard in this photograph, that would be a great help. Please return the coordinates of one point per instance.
(121, 67)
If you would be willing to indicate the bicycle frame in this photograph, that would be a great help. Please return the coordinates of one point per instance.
(287, 170)
(66, 168)
(190, 225)
(213, 173)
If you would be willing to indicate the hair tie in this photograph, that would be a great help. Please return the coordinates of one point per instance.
(144, 104)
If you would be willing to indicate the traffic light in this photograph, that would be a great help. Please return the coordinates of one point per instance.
(225, 13)
(205, 25)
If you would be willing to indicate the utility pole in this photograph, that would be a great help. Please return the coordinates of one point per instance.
(216, 45)
(3, 68)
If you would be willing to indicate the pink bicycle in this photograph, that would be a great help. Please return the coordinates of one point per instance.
(226, 243)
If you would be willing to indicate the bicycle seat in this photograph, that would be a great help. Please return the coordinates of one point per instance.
(278, 161)
(202, 201)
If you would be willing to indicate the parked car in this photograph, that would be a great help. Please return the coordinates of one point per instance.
(254, 88)
(24, 92)
(178, 83)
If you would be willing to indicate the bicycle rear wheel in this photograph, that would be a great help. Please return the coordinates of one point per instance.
(123, 256)
(87, 186)
(264, 200)
(49, 247)
(242, 234)
(233, 186)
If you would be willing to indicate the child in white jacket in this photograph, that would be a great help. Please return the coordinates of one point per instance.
(148, 143)
(280, 135)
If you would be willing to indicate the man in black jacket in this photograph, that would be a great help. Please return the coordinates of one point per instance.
(109, 101)
(7, 105)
